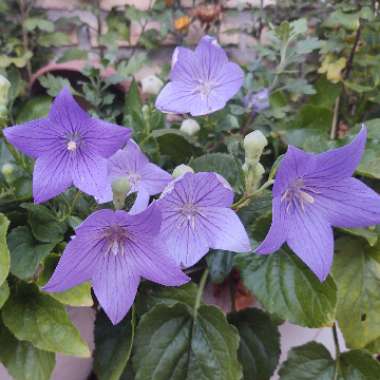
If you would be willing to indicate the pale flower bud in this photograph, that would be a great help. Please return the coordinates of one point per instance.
(121, 185)
(151, 85)
(190, 127)
(181, 170)
(7, 170)
(4, 89)
(254, 144)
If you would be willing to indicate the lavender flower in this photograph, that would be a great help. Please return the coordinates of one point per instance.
(258, 101)
(144, 177)
(196, 216)
(202, 81)
(313, 192)
(70, 147)
(114, 250)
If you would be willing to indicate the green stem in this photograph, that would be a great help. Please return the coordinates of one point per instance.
(201, 287)
(337, 351)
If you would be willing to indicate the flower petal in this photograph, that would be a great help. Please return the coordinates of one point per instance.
(77, 263)
(141, 202)
(185, 66)
(115, 285)
(153, 262)
(52, 175)
(277, 233)
(154, 179)
(339, 163)
(349, 203)
(230, 79)
(90, 173)
(33, 138)
(96, 222)
(224, 229)
(310, 236)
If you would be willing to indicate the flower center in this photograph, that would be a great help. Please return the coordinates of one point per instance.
(205, 88)
(71, 145)
(72, 141)
(298, 195)
(134, 179)
(189, 211)
(116, 237)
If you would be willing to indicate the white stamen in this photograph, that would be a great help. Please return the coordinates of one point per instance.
(71, 146)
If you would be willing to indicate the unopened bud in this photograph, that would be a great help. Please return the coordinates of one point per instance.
(121, 185)
(4, 89)
(190, 127)
(254, 144)
(181, 170)
(7, 169)
(253, 175)
(151, 85)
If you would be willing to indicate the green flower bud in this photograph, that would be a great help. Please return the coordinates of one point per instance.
(254, 144)
(190, 127)
(4, 89)
(121, 185)
(7, 170)
(182, 169)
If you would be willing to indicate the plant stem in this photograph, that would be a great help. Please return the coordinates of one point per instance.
(201, 287)
(334, 125)
(25, 38)
(337, 351)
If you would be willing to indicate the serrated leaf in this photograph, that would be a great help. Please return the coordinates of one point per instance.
(26, 253)
(54, 84)
(220, 264)
(4, 252)
(34, 108)
(4, 293)
(113, 346)
(22, 360)
(259, 349)
(171, 345)
(42, 321)
(223, 164)
(287, 288)
(356, 270)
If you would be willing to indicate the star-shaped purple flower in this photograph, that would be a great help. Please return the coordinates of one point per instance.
(196, 216)
(312, 193)
(144, 177)
(70, 147)
(114, 250)
(201, 81)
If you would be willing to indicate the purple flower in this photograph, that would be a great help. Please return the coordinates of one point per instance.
(202, 81)
(258, 101)
(313, 192)
(70, 147)
(196, 216)
(114, 250)
(144, 177)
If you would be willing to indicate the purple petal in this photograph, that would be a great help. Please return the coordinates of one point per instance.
(185, 67)
(339, 163)
(230, 80)
(349, 203)
(214, 101)
(154, 179)
(153, 262)
(115, 285)
(96, 222)
(52, 175)
(224, 229)
(141, 202)
(277, 233)
(77, 263)
(310, 236)
(33, 138)
(210, 55)
(90, 173)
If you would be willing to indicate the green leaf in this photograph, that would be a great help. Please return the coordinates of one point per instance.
(370, 164)
(287, 288)
(34, 108)
(44, 224)
(22, 360)
(356, 270)
(259, 349)
(171, 345)
(220, 264)
(175, 144)
(42, 321)
(369, 235)
(54, 84)
(132, 100)
(26, 253)
(128, 68)
(4, 252)
(113, 346)
(313, 361)
(4, 293)
(33, 23)
(79, 295)
(224, 164)
(54, 39)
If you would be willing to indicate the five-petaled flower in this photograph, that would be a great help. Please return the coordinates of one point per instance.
(201, 81)
(196, 216)
(114, 250)
(144, 177)
(312, 193)
(70, 147)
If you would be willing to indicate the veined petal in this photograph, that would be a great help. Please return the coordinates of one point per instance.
(202, 105)
(339, 163)
(349, 203)
(141, 202)
(77, 263)
(310, 236)
(52, 175)
(230, 79)
(184, 66)
(97, 222)
(90, 173)
(277, 234)
(33, 138)
(153, 262)
(154, 179)
(115, 285)
(224, 229)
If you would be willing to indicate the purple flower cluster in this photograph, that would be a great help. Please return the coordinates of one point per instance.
(115, 249)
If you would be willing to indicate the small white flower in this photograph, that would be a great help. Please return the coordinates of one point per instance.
(190, 127)
(151, 85)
